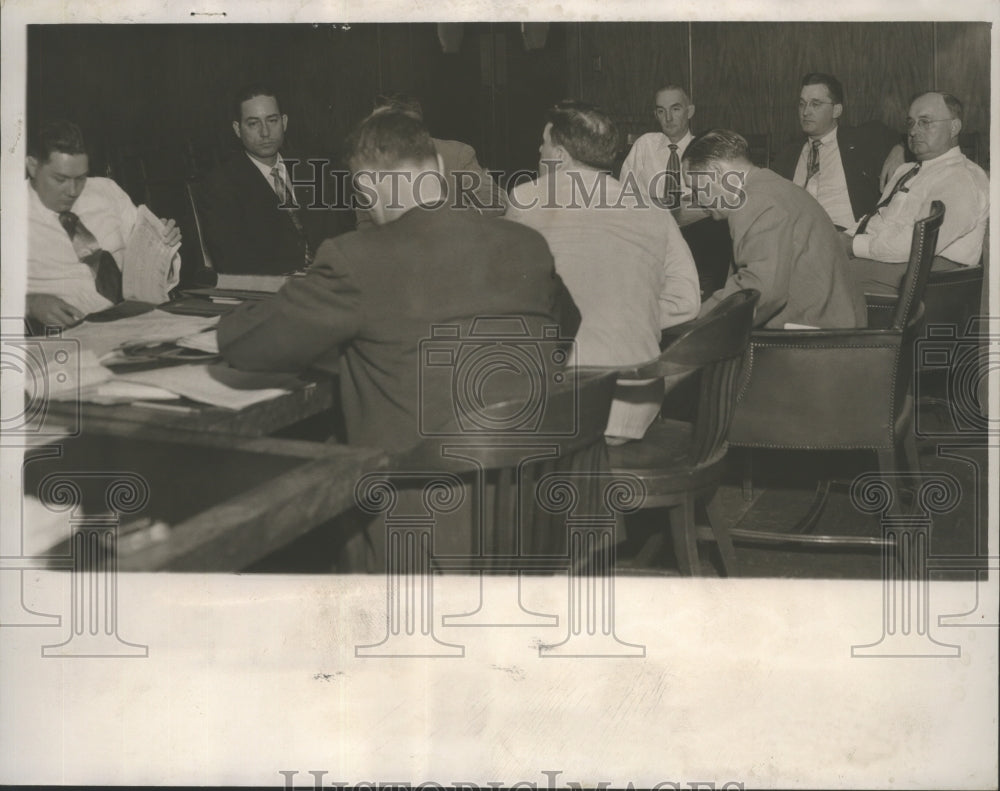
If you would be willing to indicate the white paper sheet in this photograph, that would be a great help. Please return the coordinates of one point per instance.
(155, 326)
(151, 267)
(218, 385)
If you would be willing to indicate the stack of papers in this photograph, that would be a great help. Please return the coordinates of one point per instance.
(218, 385)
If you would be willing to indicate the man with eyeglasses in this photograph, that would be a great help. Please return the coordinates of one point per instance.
(838, 165)
(879, 245)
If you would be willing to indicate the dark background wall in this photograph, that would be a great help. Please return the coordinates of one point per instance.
(149, 86)
(153, 100)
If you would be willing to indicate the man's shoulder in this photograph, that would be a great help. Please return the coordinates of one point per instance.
(648, 141)
(236, 166)
(100, 187)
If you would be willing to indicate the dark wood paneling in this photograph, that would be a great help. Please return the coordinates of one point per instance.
(622, 64)
(963, 68)
(733, 84)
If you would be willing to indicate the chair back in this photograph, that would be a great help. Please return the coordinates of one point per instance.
(714, 344)
(573, 415)
(193, 200)
(911, 289)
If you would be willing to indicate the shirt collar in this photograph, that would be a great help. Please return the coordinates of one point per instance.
(681, 144)
(953, 154)
(266, 169)
(830, 137)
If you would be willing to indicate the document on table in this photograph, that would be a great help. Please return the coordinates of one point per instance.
(151, 267)
(269, 283)
(218, 385)
(155, 326)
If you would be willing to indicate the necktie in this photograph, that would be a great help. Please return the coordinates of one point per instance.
(107, 275)
(672, 183)
(897, 188)
(812, 165)
(281, 190)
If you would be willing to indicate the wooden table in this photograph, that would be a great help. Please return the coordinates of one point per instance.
(314, 396)
(227, 501)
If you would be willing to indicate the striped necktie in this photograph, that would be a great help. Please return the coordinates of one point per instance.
(812, 165)
(107, 275)
(897, 188)
(672, 183)
(283, 193)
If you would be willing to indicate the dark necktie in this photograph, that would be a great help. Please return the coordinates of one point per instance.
(672, 183)
(900, 186)
(812, 165)
(107, 275)
(281, 189)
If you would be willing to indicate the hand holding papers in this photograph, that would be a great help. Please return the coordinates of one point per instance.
(151, 266)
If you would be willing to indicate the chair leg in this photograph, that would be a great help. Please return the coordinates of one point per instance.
(720, 533)
(747, 475)
(685, 536)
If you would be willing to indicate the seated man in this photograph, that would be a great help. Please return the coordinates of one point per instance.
(258, 215)
(784, 244)
(623, 261)
(838, 165)
(78, 228)
(652, 168)
(370, 298)
(879, 245)
(469, 184)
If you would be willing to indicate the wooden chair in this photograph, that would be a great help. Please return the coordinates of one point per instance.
(680, 464)
(840, 389)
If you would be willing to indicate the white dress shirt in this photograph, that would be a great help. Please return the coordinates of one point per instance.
(626, 266)
(829, 186)
(647, 162)
(53, 265)
(960, 184)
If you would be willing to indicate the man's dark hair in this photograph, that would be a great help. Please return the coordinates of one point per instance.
(401, 102)
(586, 132)
(716, 144)
(832, 84)
(388, 138)
(955, 108)
(64, 137)
(249, 92)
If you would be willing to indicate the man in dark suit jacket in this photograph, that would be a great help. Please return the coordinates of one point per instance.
(840, 166)
(256, 214)
(375, 297)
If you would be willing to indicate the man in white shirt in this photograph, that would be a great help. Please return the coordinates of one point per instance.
(879, 245)
(78, 228)
(649, 161)
(624, 261)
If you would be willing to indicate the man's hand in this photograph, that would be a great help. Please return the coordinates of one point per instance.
(171, 233)
(847, 244)
(897, 156)
(51, 311)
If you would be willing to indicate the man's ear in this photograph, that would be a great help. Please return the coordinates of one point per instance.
(690, 111)
(284, 122)
(838, 110)
(236, 128)
(31, 164)
(956, 126)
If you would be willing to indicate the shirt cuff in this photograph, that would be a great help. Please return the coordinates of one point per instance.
(861, 245)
